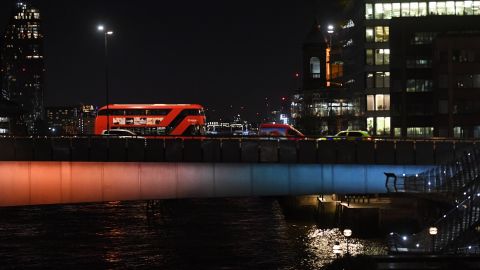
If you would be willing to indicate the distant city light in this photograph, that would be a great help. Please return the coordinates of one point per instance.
(330, 29)
(284, 119)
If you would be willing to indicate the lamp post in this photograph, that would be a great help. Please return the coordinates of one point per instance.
(336, 249)
(106, 33)
(347, 233)
(433, 231)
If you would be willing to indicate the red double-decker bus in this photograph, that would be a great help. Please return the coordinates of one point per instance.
(153, 119)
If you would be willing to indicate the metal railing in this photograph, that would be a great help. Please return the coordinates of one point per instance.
(457, 183)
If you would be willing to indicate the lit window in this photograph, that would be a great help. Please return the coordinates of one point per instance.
(381, 33)
(370, 124)
(396, 10)
(315, 67)
(414, 9)
(370, 102)
(420, 131)
(405, 9)
(382, 56)
(370, 80)
(441, 8)
(369, 57)
(450, 5)
(387, 11)
(369, 34)
(468, 8)
(459, 8)
(422, 9)
(368, 11)
(382, 102)
(382, 79)
(476, 7)
(383, 125)
(379, 11)
(398, 132)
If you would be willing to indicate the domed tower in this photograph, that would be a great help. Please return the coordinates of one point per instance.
(314, 59)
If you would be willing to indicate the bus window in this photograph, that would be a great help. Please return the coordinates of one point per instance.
(135, 112)
(112, 112)
(158, 112)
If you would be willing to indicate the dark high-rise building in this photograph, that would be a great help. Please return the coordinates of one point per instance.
(23, 66)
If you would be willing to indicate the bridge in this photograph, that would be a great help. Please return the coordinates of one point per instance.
(93, 169)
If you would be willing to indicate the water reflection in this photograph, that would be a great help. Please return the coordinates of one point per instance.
(243, 233)
(319, 244)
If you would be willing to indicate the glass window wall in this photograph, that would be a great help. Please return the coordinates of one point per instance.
(420, 131)
(421, 8)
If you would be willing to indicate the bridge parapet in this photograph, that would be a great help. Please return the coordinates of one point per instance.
(231, 150)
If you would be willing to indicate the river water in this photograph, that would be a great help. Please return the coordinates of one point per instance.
(240, 233)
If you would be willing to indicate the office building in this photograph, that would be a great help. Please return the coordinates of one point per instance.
(22, 65)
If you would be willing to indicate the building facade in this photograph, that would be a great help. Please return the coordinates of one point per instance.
(325, 104)
(71, 120)
(435, 73)
(370, 45)
(23, 67)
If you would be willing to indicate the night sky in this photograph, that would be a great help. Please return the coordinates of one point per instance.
(215, 53)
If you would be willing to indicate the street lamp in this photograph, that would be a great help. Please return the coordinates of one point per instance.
(347, 233)
(106, 33)
(433, 231)
(330, 30)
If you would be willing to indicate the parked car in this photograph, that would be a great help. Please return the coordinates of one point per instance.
(279, 130)
(349, 135)
(120, 133)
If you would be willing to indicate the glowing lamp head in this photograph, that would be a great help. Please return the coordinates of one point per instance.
(101, 28)
(330, 29)
(110, 33)
(433, 230)
(347, 232)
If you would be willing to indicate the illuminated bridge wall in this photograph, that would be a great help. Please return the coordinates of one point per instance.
(74, 170)
(24, 183)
